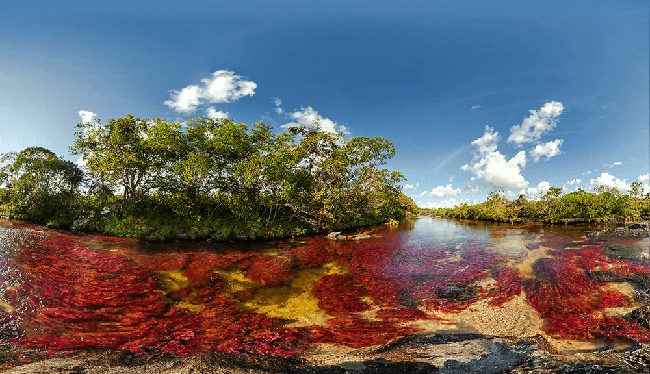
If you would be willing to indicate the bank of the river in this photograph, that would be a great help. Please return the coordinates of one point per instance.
(457, 354)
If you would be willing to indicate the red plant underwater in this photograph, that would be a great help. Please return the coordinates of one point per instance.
(70, 297)
(571, 302)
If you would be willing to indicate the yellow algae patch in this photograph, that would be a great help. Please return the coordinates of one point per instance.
(173, 280)
(335, 268)
(189, 306)
(283, 302)
(236, 280)
(296, 300)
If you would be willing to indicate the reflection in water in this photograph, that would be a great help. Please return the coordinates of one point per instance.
(64, 293)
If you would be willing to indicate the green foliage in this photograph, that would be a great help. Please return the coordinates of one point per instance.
(604, 204)
(207, 178)
(39, 186)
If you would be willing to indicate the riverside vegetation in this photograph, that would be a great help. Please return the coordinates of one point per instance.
(603, 205)
(207, 178)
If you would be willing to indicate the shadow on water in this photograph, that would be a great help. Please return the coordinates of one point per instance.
(66, 293)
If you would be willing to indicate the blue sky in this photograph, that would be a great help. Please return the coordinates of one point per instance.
(512, 95)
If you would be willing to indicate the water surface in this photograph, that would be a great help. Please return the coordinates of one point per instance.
(63, 292)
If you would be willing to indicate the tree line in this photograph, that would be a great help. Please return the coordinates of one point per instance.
(555, 206)
(204, 178)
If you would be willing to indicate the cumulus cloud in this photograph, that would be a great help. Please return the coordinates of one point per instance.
(606, 179)
(408, 186)
(424, 193)
(186, 100)
(538, 123)
(492, 167)
(308, 115)
(441, 191)
(475, 107)
(222, 86)
(86, 116)
(450, 203)
(549, 150)
(217, 114)
(571, 183)
(533, 192)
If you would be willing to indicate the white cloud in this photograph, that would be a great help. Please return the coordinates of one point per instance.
(538, 123)
(408, 186)
(533, 192)
(574, 181)
(278, 102)
(308, 115)
(417, 184)
(475, 107)
(587, 173)
(86, 116)
(609, 180)
(549, 150)
(225, 87)
(450, 203)
(469, 188)
(222, 86)
(213, 113)
(186, 100)
(612, 165)
(451, 179)
(644, 181)
(492, 167)
(511, 194)
(441, 191)
(81, 162)
(424, 193)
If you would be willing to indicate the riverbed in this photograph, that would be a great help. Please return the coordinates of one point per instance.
(431, 295)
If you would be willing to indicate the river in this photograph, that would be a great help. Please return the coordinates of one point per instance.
(309, 297)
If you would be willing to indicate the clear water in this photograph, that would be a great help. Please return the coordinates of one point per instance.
(63, 292)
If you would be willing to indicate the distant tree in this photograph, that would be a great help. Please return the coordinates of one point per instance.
(38, 184)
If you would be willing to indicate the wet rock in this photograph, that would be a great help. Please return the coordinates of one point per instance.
(361, 237)
(640, 316)
(79, 224)
(574, 221)
(635, 230)
(334, 235)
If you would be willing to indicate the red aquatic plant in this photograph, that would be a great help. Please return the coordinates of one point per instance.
(269, 270)
(339, 295)
(71, 298)
(356, 332)
(508, 284)
(569, 300)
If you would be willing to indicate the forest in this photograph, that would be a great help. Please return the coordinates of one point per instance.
(204, 179)
(604, 204)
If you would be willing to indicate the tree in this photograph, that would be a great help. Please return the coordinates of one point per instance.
(38, 184)
(126, 153)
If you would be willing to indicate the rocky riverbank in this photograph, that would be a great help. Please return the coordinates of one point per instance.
(444, 354)
(635, 230)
